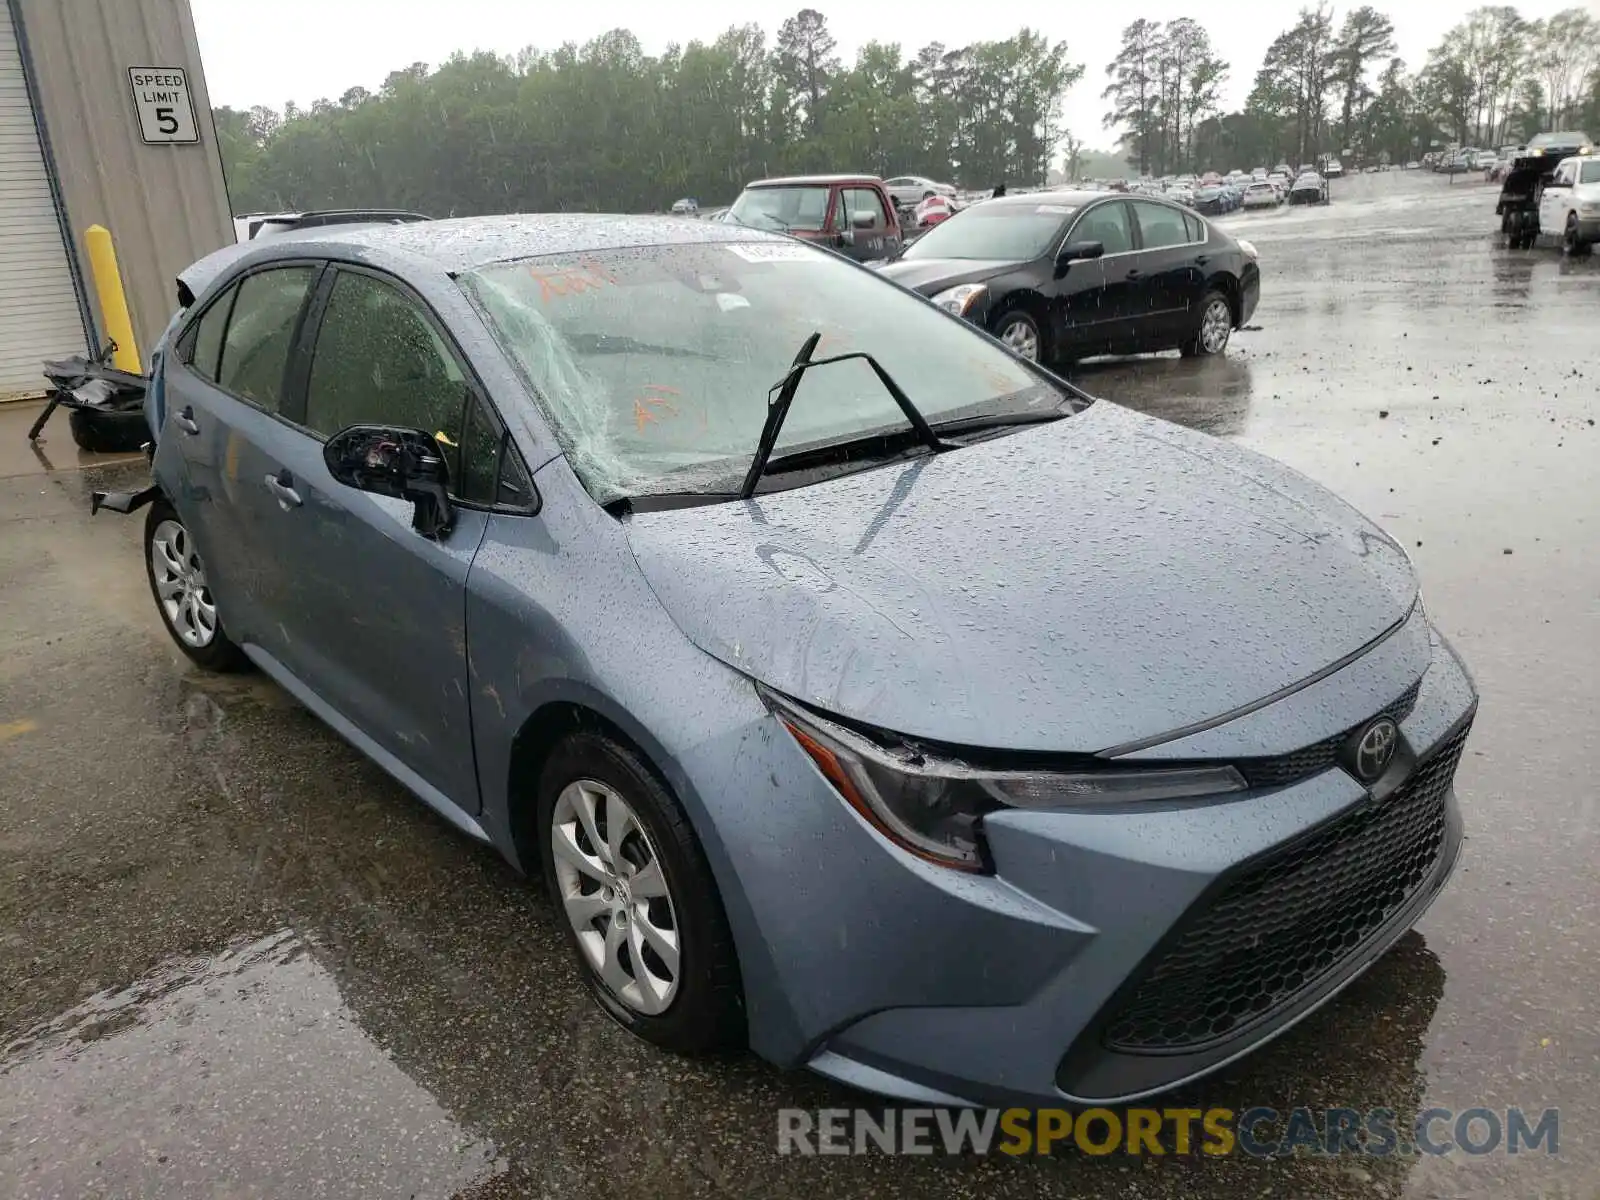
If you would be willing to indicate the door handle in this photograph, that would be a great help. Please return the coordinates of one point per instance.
(1135, 273)
(1202, 259)
(185, 421)
(281, 485)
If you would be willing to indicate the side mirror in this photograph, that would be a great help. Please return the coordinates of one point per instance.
(1076, 252)
(863, 218)
(403, 463)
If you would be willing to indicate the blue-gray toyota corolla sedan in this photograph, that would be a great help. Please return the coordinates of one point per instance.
(861, 691)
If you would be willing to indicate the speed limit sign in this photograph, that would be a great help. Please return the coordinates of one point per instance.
(161, 98)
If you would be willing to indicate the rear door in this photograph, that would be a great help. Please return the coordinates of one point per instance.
(380, 617)
(1092, 305)
(1170, 277)
(226, 396)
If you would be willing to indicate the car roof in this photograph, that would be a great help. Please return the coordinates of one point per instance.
(1033, 199)
(797, 180)
(461, 243)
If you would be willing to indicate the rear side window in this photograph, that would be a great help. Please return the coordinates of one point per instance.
(205, 342)
(260, 334)
(1160, 226)
(1197, 231)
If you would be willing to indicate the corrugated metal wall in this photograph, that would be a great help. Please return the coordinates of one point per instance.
(165, 205)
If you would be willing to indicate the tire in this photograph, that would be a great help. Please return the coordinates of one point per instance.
(1213, 328)
(174, 569)
(108, 432)
(1571, 244)
(1021, 334)
(703, 1008)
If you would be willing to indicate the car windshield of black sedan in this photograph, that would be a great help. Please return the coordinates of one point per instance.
(995, 232)
(653, 364)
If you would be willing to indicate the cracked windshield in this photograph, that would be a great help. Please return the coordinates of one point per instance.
(798, 602)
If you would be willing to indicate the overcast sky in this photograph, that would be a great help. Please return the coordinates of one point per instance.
(302, 50)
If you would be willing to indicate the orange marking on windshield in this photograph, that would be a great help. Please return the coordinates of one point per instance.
(570, 281)
(643, 415)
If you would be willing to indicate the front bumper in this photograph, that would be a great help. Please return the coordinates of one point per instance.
(1249, 293)
(1034, 986)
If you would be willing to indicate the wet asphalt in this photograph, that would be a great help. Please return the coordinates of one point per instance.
(238, 960)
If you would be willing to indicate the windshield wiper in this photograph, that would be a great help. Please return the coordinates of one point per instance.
(778, 407)
(1002, 420)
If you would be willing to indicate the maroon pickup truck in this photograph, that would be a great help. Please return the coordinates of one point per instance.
(851, 214)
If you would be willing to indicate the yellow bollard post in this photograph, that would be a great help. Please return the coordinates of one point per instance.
(113, 301)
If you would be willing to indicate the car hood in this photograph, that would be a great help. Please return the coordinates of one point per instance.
(1069, 587)
(932, 275)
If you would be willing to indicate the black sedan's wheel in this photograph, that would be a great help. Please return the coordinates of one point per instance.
(183, 593)
(1572, 242)
(637, 898)
(1214, 328)
(1020, 333)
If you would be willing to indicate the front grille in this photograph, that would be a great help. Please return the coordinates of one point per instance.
(1288, 768)
(1287, 921)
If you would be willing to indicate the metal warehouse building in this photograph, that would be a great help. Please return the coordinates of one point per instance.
(104, 120)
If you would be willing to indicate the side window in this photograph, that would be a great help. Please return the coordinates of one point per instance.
(255, 349)
(480, 456)
(865, 200)
(1160, 226)
(838, 221)
(379, 360)
(1197, 230)
(203, 343)
(1108, 225)
(515, 488)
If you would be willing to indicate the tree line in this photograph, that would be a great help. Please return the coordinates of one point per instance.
(606, 126)
(1338, 86)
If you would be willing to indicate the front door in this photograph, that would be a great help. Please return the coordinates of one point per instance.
(381, 610)
(1093, 296)
(878, 240)
(1552, 198)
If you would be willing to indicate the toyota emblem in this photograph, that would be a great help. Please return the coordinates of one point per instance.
(1374, 749)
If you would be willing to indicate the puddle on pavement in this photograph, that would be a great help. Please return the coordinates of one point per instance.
(243, 1074)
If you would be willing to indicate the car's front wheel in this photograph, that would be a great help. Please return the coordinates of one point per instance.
(1020, 333)
(183, 594)
(1214, 329)
(1572, 239)
(637, 898)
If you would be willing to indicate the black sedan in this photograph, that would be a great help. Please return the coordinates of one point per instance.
(1059, 276)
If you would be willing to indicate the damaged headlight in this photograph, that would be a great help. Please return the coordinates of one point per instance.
(932, 807)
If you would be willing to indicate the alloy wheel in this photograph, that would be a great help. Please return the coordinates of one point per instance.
(1022, 340)
(615, 894)
(181, 585)
(1215, 326)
